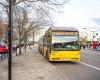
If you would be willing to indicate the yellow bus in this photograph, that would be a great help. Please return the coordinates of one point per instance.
(60, 44)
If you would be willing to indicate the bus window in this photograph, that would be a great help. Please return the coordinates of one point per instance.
(65, 43)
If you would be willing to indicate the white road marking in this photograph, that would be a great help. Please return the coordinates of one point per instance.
(90, 66)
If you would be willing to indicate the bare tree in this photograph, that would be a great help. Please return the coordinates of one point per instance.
(43, 6)
(20, 19)
(22, 26)
(39, 9)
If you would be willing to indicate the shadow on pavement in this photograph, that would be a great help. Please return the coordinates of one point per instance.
(64, 62)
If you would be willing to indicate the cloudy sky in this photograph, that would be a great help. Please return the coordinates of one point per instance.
(80, 13)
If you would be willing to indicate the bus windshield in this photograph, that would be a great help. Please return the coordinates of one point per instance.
(63, 42)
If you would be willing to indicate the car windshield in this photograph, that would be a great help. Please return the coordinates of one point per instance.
(65, 42)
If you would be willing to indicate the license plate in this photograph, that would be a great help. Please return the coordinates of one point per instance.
(65, 59)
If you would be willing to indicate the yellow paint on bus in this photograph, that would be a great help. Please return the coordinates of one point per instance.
(64, 56)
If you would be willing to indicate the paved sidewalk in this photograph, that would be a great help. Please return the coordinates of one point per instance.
(31, 66)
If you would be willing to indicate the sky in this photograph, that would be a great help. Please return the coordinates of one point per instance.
(80, 13)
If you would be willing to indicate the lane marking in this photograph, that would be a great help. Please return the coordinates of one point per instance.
(90, 66)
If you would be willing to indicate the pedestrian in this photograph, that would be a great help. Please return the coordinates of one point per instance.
(16, 48)
(91, 46)
(84, 46)
(99, 45)
(29, 44)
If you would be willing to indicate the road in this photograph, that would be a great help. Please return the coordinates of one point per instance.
(87, 69)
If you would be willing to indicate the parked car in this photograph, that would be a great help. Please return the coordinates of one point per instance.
(3, 48)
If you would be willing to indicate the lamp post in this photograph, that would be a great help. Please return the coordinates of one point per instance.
(11, 2)
(10, 41)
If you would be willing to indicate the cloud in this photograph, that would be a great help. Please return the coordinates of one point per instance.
(84, 13)
(97, 21)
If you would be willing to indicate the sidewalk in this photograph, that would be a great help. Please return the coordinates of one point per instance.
(31, 66)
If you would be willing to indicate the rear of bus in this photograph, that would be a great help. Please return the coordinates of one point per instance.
(64, 46)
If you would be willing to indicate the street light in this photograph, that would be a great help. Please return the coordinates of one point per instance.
(11, 2)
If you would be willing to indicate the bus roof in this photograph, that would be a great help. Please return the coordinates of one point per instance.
(63, 29)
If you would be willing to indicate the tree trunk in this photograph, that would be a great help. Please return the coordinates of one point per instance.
(25, 43)
(33, 38)
(20, 45)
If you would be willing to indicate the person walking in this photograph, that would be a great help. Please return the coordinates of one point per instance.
(98, 46)
(29, 44)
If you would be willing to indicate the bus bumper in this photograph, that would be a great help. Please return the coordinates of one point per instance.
(65, 56)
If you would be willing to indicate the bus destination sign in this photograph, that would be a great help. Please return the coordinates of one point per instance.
(64, 33)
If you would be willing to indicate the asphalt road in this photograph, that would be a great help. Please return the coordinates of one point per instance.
(87, 69)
